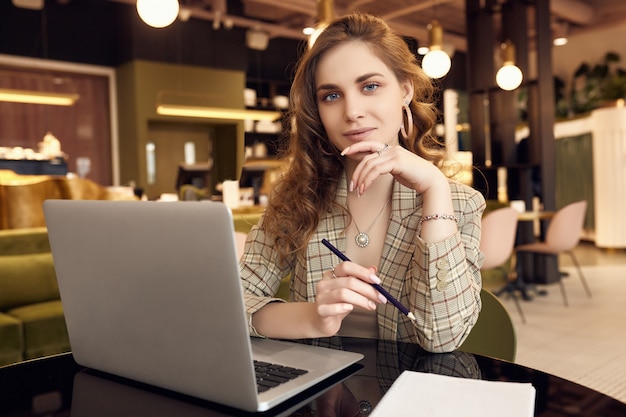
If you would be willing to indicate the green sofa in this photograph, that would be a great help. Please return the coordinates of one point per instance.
(31, 316)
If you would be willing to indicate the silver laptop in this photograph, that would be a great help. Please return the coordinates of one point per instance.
(151, 292)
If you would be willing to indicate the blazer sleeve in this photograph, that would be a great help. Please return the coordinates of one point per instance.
(445, 283)
(260, 274)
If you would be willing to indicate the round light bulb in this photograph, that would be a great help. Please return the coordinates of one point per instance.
(436, 63)
(158, 14)
(509, 77)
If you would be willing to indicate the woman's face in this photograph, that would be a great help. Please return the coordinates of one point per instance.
(358, 96)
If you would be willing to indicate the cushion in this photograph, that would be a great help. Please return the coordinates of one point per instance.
(27, 279)
(24, 240)
(45, 332)
(11, 340)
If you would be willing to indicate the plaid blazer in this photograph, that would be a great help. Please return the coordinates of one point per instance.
(410, 269)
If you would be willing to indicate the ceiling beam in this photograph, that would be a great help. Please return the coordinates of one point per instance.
(411, 9)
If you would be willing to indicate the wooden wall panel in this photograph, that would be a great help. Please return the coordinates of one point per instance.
(84, 129)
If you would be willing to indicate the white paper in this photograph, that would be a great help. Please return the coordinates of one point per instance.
(432, 395)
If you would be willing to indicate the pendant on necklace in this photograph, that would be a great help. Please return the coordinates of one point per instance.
(362, 239)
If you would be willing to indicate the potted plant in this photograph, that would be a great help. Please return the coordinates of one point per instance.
(595, 86)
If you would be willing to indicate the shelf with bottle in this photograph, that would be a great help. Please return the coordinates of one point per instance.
(262, 145)
(262, 138)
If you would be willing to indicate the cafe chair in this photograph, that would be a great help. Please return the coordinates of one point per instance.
(497, 241)
(493, 334)
(189, 192)
(562, 236)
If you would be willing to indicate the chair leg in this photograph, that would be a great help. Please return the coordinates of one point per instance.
(580, 272)
(519, 307)
(518, 282)
(510, 289)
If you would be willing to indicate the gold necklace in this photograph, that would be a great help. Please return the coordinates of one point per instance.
(362, 239)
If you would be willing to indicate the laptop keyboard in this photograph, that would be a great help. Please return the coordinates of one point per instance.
(269, 375)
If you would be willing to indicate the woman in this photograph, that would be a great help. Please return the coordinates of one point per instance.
(365, 175)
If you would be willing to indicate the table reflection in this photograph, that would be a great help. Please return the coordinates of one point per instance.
(58, 386)
(383, 363)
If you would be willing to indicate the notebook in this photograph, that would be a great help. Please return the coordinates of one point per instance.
(151, 292)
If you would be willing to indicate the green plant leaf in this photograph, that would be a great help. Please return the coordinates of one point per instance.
(612, 57)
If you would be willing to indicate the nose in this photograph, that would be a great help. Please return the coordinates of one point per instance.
(353, 108)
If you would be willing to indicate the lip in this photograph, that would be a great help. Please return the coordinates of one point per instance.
(356, 135)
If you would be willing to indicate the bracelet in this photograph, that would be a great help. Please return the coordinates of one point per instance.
(437, 217)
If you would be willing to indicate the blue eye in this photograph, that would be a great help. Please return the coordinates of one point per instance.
(370, 87)
(330, 97)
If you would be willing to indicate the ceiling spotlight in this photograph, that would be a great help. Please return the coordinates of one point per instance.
(509, 76)
(158, 14)
(257, 39)
(436, 63)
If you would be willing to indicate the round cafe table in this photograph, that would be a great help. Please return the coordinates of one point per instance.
(58, 386)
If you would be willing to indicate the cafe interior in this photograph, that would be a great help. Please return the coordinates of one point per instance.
(117, 100)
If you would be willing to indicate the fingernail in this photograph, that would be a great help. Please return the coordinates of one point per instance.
(375, 279)
(351, 187)
(347, 307)
(371, 304)
(382, 298)
(345, 151)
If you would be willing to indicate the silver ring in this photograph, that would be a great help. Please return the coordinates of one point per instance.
(333, 272)
(384, 148)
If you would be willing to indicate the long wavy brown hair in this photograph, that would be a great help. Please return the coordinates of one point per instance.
(308, 188)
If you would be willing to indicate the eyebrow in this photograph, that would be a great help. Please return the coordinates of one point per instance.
(359, 79)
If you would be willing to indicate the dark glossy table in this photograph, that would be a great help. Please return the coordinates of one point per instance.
(57, 386)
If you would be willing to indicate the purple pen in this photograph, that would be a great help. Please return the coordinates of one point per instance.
(380, 289)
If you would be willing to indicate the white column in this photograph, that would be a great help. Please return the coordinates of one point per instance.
(608, 127)
(450, 120)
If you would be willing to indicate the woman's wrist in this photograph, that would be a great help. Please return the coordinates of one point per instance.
(437, 206)
(437, 199)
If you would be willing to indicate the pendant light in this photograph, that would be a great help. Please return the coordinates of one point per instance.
(158, 14)
(436, 63)
(560, 33)
(509, 76)
(325, 14)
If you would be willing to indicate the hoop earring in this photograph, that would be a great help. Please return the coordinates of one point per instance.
(407, 132)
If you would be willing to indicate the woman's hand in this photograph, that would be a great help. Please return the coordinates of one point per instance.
(337, 295)
(412, 171)
(406, 167)
(341, 289)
